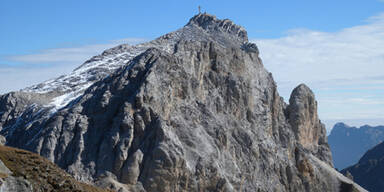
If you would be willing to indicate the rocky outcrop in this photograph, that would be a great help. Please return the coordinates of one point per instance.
(348, 144)
(196, 111)
(303, 118)
(12, 183)
(224, 31)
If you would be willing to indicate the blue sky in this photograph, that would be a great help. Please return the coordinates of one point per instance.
(28, 26)
(337, 47)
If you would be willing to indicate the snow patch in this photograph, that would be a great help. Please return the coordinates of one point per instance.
(63, 100)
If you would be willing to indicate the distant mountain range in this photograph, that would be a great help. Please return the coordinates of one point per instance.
(369, 171)
(348, 144)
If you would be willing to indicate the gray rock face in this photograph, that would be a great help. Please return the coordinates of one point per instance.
(197, 111)
(14, 104)
(15, 184)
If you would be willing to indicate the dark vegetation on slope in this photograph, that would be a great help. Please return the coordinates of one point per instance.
(43, 174)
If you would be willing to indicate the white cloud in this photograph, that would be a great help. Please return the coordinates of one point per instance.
(71, 54)
(341, 67)
(50, 63)
(317, 56)
(15, 78)
(359, 100)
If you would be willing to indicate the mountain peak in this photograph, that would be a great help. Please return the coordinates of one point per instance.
(340, 124)
(170, 113)
(301, 89)
(210, 23)
(341, 128)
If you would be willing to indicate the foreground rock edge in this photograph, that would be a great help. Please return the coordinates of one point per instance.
(23, 171)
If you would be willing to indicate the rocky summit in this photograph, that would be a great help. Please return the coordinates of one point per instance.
(193, 110)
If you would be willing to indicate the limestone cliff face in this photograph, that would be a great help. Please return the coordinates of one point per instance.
(196, 111)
